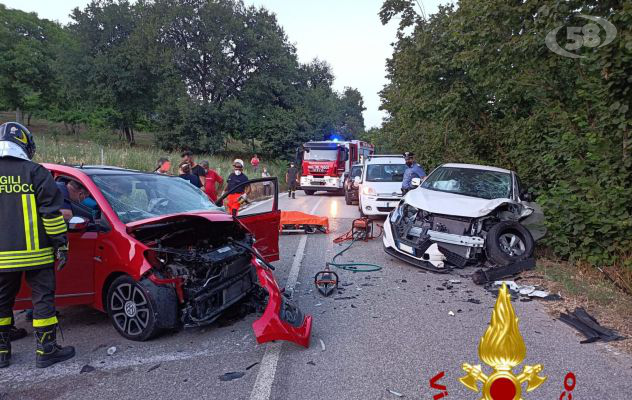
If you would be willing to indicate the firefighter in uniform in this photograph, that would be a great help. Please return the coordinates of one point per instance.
(33, 235)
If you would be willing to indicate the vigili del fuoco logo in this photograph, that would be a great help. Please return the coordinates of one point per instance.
(502, 348)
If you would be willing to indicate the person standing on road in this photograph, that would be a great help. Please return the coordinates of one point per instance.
(254, 161)
(291, 178)
(267, 186)
(163, 167)
(185, 173)
(32, 239)
(213, 183)
(234, 180)
(412, 171)
(197, 170)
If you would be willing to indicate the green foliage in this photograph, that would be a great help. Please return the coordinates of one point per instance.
(476, 83)
(26, 77)
(199, 73)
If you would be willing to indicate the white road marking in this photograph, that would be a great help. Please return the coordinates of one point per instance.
(24, 374)
(265, 377)
(264, 202)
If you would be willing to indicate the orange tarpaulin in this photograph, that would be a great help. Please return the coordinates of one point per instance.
(300, 218)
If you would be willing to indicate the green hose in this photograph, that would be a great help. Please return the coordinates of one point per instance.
(353, 267)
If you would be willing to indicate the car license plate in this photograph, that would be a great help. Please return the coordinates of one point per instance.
(406, 248)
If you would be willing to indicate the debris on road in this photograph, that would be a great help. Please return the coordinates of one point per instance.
(154, 367)
(474, 301)
(395, 393)
(588, 326)
(87, 369)
(322, 344)
(251, 365)
(111, 350)
(230, 376)
(451, 313)
(311, 363)
(525, 292)
(481, 277)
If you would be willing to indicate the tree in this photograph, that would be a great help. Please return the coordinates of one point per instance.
(26, 77)
(351, 108)
(120, 79)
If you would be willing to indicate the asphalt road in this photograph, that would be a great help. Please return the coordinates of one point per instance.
(387, 330)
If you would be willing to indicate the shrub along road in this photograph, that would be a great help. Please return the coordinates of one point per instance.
(395, 333)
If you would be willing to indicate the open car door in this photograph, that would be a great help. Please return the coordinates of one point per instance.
(255, 204)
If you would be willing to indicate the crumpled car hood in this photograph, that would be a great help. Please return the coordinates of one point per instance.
(213, 216)
(452, 204)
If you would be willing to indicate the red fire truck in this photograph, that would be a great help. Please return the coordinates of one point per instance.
(325, 164)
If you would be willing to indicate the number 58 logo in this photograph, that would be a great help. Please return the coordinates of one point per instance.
(579, 36)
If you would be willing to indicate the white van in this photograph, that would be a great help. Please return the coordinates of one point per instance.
(380, 186)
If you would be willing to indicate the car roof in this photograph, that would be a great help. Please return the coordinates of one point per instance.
(385, 159)
(475, 166)
(98, 169)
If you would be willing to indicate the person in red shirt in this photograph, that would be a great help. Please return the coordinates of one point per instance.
(254, 161)
(213, 183)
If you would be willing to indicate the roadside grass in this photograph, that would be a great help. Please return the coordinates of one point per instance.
(582, 285)
(105, 148)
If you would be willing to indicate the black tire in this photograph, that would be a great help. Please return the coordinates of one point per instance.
(309, 192)
(508, 242)
(141, 310)
(360, 209)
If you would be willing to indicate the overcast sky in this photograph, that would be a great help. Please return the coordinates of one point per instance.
(346, 33)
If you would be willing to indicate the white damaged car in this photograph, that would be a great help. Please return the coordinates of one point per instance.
(464, 215)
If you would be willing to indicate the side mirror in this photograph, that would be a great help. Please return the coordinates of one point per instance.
(77, 224)
(415, 182)
(357, 180)
(527, 196)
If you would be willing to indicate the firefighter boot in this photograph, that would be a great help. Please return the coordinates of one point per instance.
(48, 351)
(293, 195)
(5, 348)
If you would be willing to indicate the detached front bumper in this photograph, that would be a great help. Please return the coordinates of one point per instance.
(281, 320)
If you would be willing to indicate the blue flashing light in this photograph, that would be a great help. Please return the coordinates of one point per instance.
(335, 137)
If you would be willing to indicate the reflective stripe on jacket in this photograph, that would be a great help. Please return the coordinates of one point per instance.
(32, 225)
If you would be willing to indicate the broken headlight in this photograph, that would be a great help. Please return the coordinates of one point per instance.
(397, 212)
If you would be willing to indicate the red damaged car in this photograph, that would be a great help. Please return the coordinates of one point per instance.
(155, 254)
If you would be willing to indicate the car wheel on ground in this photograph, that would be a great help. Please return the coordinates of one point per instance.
(360, 209)
(508, 242)
(309, 192)
(141, 310)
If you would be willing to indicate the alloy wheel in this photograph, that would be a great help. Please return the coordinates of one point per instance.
(129, 308)
(512, 244)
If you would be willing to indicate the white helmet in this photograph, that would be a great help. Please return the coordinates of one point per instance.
(238, 161)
